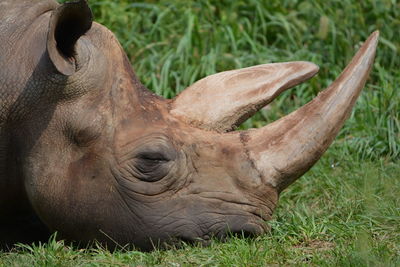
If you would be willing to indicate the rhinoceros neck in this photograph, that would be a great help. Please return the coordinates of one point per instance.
(19, 20)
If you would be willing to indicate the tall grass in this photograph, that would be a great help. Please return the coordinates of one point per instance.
(171, 44)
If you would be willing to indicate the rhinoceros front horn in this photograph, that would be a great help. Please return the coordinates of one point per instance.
(285, 149)
(67, 24)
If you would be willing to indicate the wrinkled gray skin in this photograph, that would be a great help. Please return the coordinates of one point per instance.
(88, 152)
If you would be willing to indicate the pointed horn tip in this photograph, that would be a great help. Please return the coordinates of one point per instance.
(372, 40)
(311, 67)
(375, 34)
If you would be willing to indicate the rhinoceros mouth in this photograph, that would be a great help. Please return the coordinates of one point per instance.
(224, 232)
(239, 224)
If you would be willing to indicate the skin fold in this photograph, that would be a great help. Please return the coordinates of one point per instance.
(86, 150)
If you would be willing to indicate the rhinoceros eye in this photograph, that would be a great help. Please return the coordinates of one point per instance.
(148, 163)
(149, 159)
(153, 165)
(153, 156)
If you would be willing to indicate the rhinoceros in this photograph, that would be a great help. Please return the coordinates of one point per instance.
(90, 153)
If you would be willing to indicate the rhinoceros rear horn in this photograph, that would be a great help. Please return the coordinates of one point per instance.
(67, 24)
(222, 101)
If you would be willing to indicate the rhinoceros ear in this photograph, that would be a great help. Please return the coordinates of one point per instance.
(67, 24)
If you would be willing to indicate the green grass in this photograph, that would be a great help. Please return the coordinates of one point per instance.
(346, 210)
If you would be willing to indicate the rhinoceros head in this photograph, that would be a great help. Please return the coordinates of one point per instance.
(102, 158)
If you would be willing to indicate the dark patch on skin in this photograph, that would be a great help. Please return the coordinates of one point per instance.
(169, 105)
(244, 139)
(225, 151)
